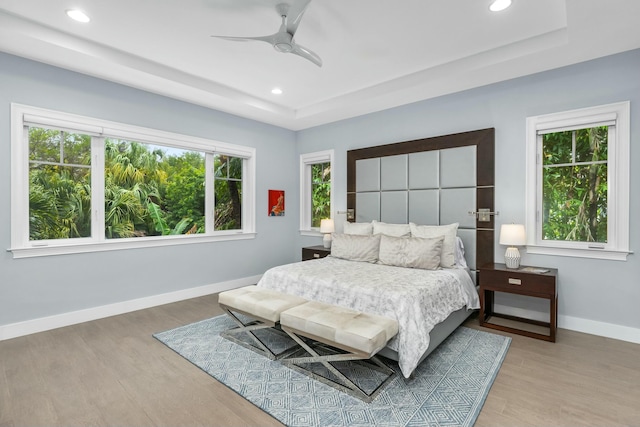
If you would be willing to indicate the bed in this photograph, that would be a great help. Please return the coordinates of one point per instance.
(418, 299)
(434, 182)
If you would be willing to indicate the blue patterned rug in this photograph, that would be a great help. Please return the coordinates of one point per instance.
(448, 388)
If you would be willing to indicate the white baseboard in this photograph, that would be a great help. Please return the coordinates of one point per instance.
(14, 330)
(42, 324)
(609, 330)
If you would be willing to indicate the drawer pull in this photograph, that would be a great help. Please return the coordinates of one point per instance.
(515, 281)
(316, 255)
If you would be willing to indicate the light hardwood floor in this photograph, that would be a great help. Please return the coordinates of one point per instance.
(112, 372)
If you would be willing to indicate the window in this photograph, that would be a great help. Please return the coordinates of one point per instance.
(59, 184)
(316, 195)
(228, 192)
(578, 183)
(81, 184)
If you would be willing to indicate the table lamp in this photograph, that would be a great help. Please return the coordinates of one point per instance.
(512, 235)
(327, 227)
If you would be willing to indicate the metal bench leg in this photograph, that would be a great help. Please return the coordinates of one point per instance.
(348, 386)
(258, 345)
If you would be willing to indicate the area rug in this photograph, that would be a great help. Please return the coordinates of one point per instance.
(447, 389)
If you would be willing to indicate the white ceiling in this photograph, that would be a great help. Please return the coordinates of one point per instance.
(377, 54)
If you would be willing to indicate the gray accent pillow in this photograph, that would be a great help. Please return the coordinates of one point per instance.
(449, 245)
(411, 252)
(362, 228)
(355, 247)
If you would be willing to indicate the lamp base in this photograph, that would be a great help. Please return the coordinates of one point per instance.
(326, 240)
(512, 258)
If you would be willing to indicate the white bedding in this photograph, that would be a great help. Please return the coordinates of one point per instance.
(417, 299)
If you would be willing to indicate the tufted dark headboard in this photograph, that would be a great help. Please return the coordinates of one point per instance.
(436, 180)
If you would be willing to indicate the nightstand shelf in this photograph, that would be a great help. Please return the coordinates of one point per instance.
(315, 252)
(499, 278)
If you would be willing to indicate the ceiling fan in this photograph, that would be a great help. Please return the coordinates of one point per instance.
(283, 41)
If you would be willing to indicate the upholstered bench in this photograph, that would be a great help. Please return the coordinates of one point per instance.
(358, 335)
(264, 307)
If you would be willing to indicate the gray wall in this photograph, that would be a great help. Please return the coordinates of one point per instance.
(605, 292)
(591, 290)
(39, 287)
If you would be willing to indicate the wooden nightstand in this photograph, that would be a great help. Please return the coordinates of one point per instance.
(315, 252)
(499, 278)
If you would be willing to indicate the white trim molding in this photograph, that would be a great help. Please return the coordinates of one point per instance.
(123, 244)
(592, 327)
(27, 327)
(602, 329)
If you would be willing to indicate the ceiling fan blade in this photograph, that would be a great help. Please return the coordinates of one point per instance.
(269, 39)
(294, 16)
(282, 41)
(307, 54)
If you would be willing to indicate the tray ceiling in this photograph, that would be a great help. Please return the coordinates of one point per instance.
(377, 54)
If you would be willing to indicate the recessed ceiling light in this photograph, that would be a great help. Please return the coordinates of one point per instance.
(78, 15)
(499, 5)
(276, 91)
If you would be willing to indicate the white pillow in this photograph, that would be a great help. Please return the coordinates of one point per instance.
(355, 247)
(412, 252)
(449, 232)
(395, 230)
(362, 228)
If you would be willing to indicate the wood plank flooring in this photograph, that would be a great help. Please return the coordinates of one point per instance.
(112, 372)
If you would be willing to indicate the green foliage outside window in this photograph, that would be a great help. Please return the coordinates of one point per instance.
(575, 186)
(149, 190)
(60, 184)
(320, 192)
(228, 188)
(135, 181)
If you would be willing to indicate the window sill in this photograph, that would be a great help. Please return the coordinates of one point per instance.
(612, 255)
(314, 233)
(123, 244)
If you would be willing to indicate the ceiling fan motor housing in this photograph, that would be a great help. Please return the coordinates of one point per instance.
(283, 42)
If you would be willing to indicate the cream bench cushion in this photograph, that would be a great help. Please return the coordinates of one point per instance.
(341, 327)
(258, 302)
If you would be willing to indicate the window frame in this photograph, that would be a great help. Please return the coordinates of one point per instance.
(617, 246)
(23, 247)
(306, 162)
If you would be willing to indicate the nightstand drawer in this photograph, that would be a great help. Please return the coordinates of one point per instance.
(314, 252)
(513, 281)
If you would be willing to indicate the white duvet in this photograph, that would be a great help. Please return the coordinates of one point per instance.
(417, 299)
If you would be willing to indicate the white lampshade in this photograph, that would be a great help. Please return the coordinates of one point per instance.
(513, 235)
(327, 226)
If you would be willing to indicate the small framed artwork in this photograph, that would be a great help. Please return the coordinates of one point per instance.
(276, 202)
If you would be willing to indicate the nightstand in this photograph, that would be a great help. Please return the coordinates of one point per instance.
(537, 282)
(315, 252)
